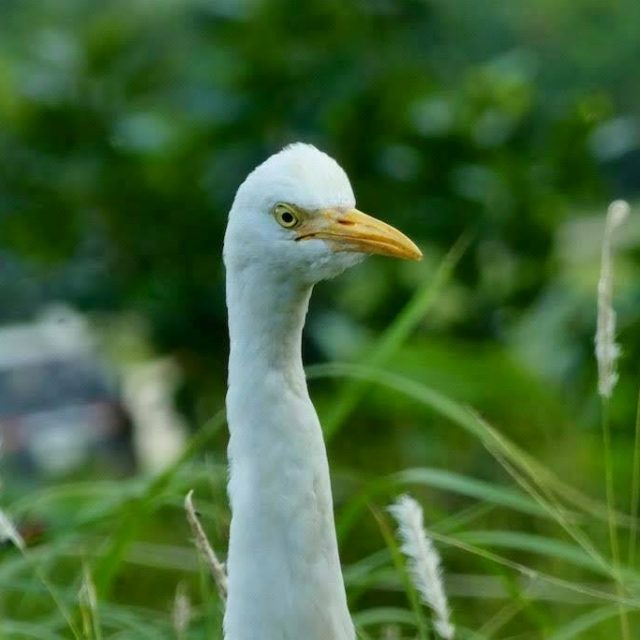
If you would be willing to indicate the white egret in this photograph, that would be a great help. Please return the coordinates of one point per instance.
(293, 223)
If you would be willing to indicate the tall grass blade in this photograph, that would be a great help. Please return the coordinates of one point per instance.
(635, 489)
(611, 501)
(501, 618)
(487, 492)
(471, 422)
(395, 336)
(535, 575)
(8, 531)
(534, 543)
(20, 629)
(548, 500)
(384, 615)
(88, 602)
(579, 625)
(134, 512)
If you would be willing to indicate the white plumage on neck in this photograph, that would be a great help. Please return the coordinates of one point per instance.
(284, 572)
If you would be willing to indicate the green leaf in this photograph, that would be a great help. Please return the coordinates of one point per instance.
(583, 623)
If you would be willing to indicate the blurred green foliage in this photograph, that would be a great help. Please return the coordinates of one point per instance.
(125, 128)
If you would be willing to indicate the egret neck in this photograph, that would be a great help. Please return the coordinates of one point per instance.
(284, 569)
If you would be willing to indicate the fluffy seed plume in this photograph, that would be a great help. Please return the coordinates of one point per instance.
(182, 613)
(8, 531)
(607, 351)
(216, 567)
(423, 562)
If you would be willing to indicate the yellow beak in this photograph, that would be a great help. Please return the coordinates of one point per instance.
(352, 230)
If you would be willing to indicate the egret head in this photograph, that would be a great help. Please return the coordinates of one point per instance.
(295, 214)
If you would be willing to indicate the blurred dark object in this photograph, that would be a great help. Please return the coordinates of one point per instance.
(59, 407)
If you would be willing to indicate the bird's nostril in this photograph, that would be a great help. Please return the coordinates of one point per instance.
(345, 222)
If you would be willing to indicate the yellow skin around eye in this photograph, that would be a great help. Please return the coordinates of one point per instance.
(286, 216)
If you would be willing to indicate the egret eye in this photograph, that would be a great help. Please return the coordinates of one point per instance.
(285, 216)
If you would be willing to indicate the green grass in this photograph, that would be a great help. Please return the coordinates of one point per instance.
(112, 520)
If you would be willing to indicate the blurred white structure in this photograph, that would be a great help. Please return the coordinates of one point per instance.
(58, 334)
(159, 433)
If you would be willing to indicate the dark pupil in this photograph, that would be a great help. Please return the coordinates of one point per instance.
(287, 218)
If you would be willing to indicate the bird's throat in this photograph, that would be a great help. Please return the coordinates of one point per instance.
(284, 572)
(266, 319)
